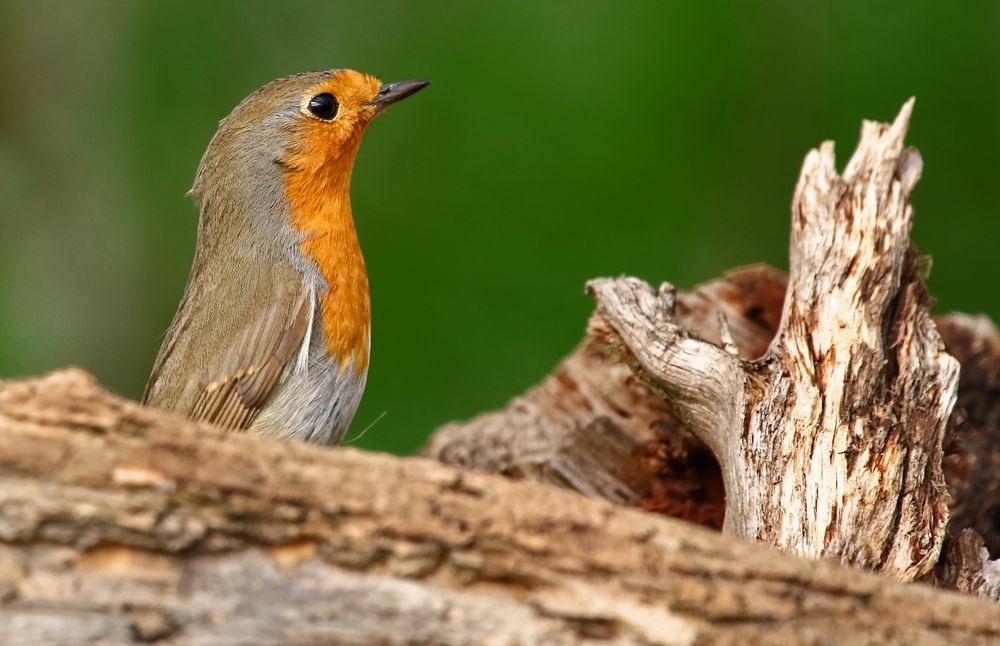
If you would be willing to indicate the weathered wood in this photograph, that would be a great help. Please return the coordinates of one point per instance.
(972, 448)
(972, 460)
(966, 566)
(593, 428)
(120, 523)
(830, 444)
(752, 299)
(844, 415)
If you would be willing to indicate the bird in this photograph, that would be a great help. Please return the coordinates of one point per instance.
(273, 331)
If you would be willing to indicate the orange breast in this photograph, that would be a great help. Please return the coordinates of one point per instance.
(317, 185)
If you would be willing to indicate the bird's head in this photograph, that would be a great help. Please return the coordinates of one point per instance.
(334, 113)
(307, 125)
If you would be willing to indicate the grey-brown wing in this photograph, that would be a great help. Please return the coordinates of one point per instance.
(227, 385)
(257, 362)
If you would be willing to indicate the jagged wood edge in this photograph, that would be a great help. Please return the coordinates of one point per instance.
(830, 444)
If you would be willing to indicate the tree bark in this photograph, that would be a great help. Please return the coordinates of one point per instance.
(121, 523)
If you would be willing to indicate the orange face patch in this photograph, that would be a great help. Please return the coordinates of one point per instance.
(317, 186)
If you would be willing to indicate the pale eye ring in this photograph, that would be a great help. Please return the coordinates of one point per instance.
(323, 106)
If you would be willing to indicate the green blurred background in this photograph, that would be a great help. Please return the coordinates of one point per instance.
(559, 141)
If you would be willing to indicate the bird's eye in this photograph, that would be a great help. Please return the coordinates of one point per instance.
(324, 106)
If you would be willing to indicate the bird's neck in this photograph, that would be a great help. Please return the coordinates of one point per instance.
(321, 210)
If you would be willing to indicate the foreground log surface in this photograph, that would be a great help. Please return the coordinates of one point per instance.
(124, 524)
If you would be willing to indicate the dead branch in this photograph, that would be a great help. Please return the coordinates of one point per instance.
(560, 431)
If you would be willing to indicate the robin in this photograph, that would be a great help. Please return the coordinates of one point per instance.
(274, 329)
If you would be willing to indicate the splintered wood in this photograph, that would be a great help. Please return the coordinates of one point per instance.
(831, 443)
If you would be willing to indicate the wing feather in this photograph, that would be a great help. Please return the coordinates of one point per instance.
(226, 381)
(260, 359)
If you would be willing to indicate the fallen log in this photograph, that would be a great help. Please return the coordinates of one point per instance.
(120, 523)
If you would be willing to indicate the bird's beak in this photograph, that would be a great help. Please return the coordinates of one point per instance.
(389, 93)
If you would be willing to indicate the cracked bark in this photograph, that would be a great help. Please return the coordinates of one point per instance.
(120, 524)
